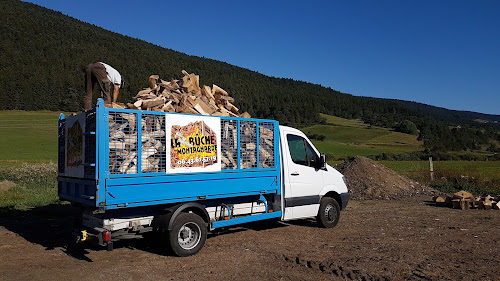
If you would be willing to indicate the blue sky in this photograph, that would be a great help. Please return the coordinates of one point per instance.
(443, 53)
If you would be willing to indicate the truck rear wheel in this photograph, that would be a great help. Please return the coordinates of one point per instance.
(188, 235)
(329, 212)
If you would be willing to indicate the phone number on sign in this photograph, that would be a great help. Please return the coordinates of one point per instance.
(197, 160)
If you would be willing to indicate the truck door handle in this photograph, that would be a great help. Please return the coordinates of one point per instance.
(294, 174)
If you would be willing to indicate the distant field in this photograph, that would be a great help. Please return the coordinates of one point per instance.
(27, 137)
(478, 177)
(346, 138)
(489, 170)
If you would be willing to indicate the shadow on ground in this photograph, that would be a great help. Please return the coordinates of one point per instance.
(49, 226)
(52, 227)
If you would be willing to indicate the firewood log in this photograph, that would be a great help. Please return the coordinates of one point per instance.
(462, 195)
(153, 79)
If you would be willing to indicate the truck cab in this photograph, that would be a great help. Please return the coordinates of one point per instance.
(308, 182)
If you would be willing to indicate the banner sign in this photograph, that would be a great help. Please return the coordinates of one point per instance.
(75, 127)
(194, 143)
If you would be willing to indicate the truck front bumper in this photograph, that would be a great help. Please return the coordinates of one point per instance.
(344, 197)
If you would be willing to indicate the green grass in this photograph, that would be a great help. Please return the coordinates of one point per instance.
(345, 138)
(21, 198)
(28, 137)
(338, 121)
(36, 186)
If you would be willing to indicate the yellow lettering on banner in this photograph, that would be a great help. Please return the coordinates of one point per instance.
(192, 148)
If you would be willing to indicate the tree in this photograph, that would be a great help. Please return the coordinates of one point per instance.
(407, 127)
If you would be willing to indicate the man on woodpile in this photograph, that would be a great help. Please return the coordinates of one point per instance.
(105, 76)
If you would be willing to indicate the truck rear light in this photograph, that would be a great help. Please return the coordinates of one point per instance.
(106, 236)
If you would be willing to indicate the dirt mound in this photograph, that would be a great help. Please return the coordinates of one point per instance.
(368, 179)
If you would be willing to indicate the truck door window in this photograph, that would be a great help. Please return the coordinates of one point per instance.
(301, 151)
(297, 149)
(312, 157)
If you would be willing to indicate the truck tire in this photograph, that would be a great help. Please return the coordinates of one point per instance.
(188, 235)
(329, 212)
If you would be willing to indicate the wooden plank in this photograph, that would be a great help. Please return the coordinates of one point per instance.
(198, 108)
(207, 92)
(153, 79)
(206, 108)
(138, 104)
(118, 105)
(132, 106)
(152, 102)
(143, 93)
(217, 89)
(245, 115)
(168, 107)
(232, 108)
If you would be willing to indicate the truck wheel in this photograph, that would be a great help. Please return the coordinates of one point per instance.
(188, 235)
(329, 212)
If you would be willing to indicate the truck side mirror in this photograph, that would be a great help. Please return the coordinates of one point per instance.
(321, 164)
(322, 160)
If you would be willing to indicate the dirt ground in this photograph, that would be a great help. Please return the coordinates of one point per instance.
(375, 240)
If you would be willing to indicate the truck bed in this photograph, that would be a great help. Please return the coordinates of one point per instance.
(117, 158)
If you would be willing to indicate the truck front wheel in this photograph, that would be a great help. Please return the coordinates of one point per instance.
(188, 235)
(329, 212)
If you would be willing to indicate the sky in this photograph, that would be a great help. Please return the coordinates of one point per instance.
(442, 53)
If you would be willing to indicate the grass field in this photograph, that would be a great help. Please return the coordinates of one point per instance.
(28, 186)
(344, 138)
(27, 137)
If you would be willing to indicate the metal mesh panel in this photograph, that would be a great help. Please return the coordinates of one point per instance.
(61, 156)
(266, 145)
(229, 144)
(90, 143)
(122, 143)
(248, 144)
(153, 158)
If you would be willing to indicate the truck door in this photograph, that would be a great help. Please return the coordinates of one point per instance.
(303, 181)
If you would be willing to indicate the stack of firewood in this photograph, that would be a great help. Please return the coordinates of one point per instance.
(123, 146)
(248, 146)
(465, 201)
(184, 96)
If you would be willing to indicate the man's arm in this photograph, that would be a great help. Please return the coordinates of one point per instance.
(116, 92)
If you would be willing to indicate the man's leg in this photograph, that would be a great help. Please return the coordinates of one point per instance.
(87, 98)
(99, 71)
(106, 90)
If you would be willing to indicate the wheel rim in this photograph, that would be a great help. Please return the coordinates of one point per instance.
(189, 236)
(330, 213)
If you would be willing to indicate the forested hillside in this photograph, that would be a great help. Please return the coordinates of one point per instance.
(43, 54)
